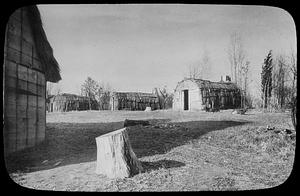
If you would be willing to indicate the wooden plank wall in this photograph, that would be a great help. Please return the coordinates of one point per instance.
(65, 103)
(129, 103)
(24, 116)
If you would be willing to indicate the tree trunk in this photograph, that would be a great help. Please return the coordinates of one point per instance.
(294, 112)
(115, 157)
(265, 96)
(99, 105)
(90, 103)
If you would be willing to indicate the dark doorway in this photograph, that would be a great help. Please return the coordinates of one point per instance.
(186, 99)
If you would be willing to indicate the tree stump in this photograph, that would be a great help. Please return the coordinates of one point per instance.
(115, 157)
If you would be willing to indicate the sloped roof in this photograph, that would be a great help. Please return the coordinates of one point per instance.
(206, 84)
(129, 95)
(45, 52)
(68, 96)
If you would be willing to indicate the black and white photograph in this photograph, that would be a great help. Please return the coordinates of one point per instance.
(149, 97)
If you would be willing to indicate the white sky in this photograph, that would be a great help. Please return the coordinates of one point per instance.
(138, 47)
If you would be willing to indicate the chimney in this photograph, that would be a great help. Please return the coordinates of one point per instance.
(228, 79)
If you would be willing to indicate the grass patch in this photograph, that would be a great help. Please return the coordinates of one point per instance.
(186, 151)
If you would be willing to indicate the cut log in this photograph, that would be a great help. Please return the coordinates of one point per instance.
(239, 111)
(115, 157)
(148, 109)
(128, 123)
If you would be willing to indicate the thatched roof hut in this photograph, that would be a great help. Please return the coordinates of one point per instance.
(198, 94)
(133, 101)
(28, 64)
(70, 102)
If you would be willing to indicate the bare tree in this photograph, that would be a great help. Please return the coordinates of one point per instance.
(205, 66)
(49, 88)
(244, 86)
(165, 99)
(279, 82)
(293, 68)
(194, 71)
(236, 56)
(56, 89)
(102, 95)
(88, 89)
(284, 81)
(201, 70)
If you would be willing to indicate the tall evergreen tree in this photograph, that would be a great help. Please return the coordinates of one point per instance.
(266, 79)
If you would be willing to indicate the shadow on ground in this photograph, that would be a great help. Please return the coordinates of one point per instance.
(72, 143)
(152, 140)
(149, 166)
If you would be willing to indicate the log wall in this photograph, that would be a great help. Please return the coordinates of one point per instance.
(65, 103)
(133, 101)
(24, 89)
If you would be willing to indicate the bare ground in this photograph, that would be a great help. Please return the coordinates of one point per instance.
(179, 151)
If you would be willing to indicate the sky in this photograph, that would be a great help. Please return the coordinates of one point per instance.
(138, 47)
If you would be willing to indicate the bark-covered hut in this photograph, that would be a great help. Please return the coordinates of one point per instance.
(70, 102)
(28, 64)
(133, 101)
(198, 94)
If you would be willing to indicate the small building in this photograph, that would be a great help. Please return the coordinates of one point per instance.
(198, 94)
(28, 64)
(133, 101)
(70, 102)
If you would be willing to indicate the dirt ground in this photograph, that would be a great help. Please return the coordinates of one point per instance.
(179, 151)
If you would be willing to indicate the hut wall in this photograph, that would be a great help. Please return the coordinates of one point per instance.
(24, 92)
(194, 96)
(133, 101)
(203, 95)
(65, 103)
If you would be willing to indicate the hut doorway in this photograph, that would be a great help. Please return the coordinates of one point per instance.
(185, 99)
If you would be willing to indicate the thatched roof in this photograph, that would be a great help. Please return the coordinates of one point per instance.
(130, 95)
(206, 84)
(68, 96)
(45, 52)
